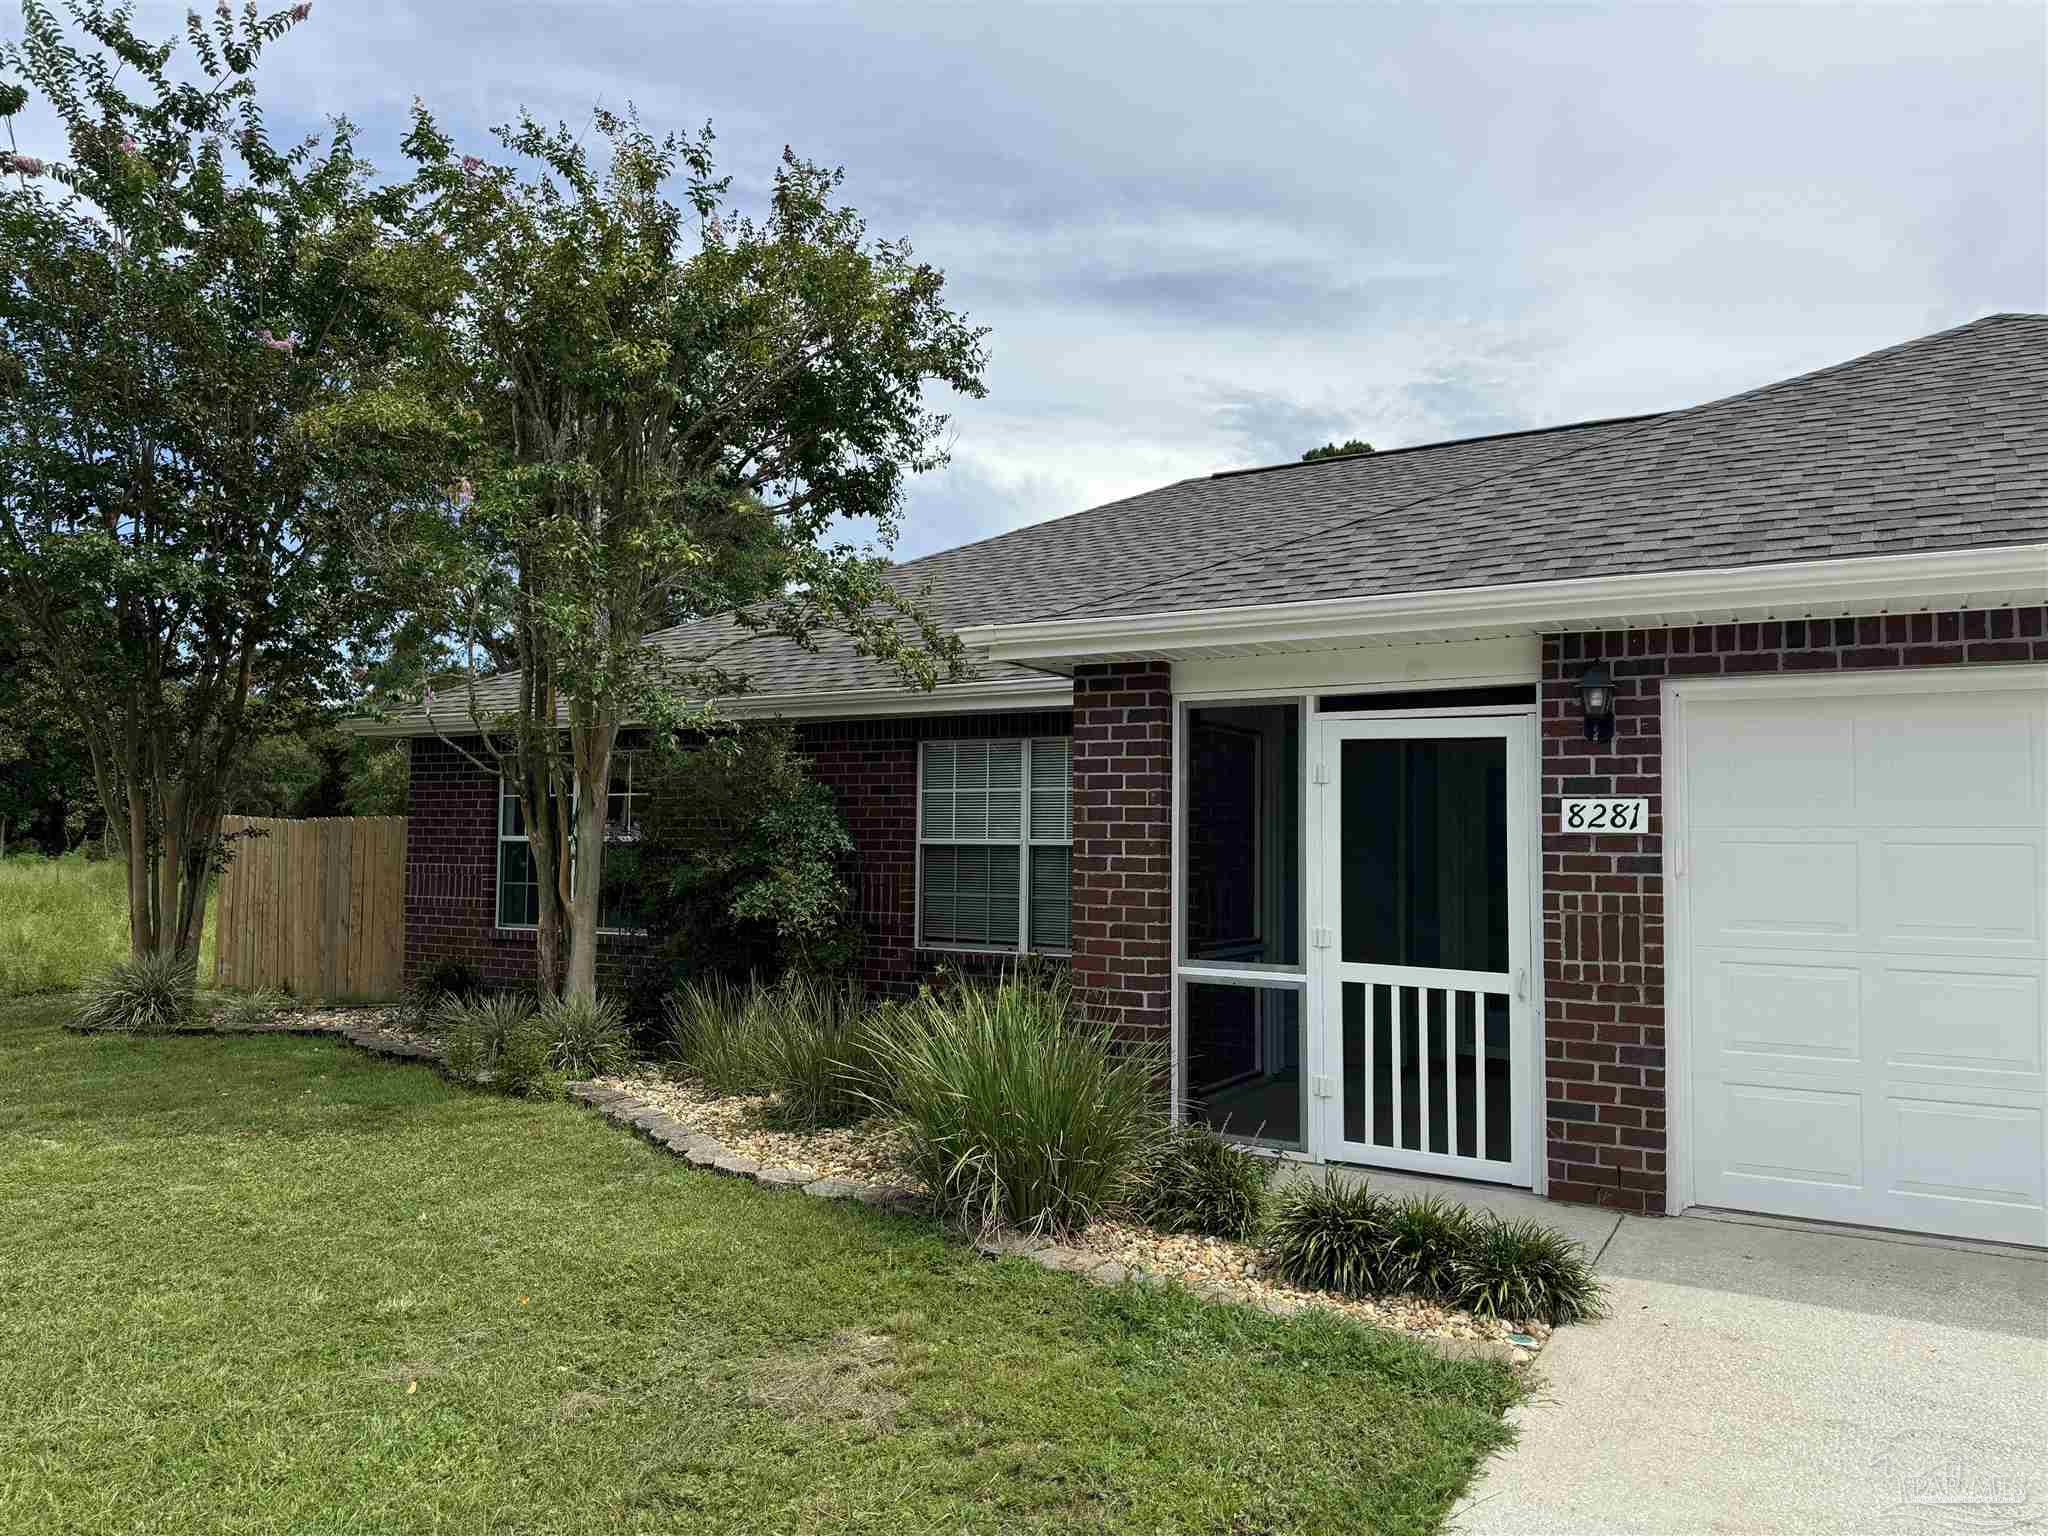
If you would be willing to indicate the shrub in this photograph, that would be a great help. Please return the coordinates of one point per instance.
(1525, 1270)
(586, 1037)
(473, 1029)
(740, 866)
(249, 1010)
(808, 1037)
(707, 1025)
(443, 981)
(1356, 1241)
(525, 1067)
(1195, 1181)
(1423, 1239)
(141, 997)
(1017, 1110)
(1329, 1234)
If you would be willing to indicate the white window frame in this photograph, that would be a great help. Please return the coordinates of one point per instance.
(1298, 977)
(1024, 842)
(507, 792)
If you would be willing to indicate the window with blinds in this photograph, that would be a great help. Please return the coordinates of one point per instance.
(995, 835)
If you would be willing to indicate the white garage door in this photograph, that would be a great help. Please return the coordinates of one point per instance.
(1864, 909)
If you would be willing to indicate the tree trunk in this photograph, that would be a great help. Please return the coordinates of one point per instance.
(141, 936)
(593, 754)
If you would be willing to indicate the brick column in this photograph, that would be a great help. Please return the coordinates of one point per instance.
(1123, 843)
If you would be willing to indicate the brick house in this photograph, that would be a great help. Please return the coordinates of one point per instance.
(1650, 811)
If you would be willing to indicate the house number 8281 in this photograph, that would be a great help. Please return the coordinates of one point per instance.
(1604, 815)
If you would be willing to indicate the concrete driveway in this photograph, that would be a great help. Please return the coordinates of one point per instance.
(1759, 1377)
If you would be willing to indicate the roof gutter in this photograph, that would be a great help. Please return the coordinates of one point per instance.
(1972, 578)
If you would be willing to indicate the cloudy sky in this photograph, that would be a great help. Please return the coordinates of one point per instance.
(1215, 236)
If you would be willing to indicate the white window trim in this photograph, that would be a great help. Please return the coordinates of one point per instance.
(504, 837)
(1023, 841)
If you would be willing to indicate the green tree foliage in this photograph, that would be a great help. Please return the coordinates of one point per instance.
(46, 798)
(677, 408)
(211, 432)
(740, 864)
(1345, 449)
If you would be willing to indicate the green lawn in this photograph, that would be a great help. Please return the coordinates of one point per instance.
(273, 1285)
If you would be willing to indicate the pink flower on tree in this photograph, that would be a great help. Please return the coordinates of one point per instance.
(284, 344)
(25, 165)
(128, 144)
(302, 10)
(472, 165)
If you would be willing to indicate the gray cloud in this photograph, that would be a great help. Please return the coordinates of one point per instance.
(1209, 235)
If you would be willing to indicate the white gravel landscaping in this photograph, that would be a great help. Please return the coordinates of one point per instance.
(869, 1153)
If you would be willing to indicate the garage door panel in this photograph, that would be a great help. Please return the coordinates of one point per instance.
(1968, 1028)
(1955, 1164)
(1800, 889)
(1777, 1009)
(1793, 1134)
(1908, 748)
(1778, 765)
(1970, 892)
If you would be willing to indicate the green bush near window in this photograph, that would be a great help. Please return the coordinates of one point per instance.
(740, 865)
(1192, 1180)
(1017, 1109)
(150, 996)
(1342, 1236)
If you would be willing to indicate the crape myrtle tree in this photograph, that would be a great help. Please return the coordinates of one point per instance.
(678, 409)
(210, 429)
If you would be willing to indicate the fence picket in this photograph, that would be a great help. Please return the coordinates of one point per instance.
(315, 907)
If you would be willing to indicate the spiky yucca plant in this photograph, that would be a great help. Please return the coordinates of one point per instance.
(586, 1036)
(152, 995)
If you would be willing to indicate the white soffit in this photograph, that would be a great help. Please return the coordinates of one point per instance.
(2016, 575)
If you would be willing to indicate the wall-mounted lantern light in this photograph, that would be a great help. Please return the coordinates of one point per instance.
(1596, 694)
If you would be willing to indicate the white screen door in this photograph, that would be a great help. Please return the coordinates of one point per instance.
(1424, 944)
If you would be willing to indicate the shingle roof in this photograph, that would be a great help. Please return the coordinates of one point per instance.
(1939, 443)
(1935, 444)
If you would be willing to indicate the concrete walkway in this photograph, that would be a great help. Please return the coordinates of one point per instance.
(1758, 1377)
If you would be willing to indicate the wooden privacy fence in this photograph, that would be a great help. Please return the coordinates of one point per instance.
(314, 908)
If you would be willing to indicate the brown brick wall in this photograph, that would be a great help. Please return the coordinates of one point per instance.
(451, 875)
(1123, 829)
(1603, 896)
(871, 767)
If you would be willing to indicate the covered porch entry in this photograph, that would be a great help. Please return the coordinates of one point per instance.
(1356, 940)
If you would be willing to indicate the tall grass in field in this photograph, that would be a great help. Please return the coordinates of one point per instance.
(65, 921)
